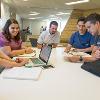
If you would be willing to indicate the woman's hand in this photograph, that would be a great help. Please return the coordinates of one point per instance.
(20, 60)
(29, 50)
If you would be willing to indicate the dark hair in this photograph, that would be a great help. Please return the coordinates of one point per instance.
(53, 23)
(93, 18)
(81, 19)
(6, 30)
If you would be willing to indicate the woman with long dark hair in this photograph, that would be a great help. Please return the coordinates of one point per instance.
(10, 41)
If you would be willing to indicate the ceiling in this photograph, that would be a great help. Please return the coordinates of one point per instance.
(48, 7)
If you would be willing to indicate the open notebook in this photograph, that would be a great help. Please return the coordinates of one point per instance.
(31, 55)
(23, 73)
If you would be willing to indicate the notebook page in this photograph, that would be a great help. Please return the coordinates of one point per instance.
(28, 55)
(24, 73)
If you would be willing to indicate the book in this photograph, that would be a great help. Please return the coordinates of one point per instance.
(22, 73)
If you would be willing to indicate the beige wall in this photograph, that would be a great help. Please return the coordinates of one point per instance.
(91, 11)
(34, 25)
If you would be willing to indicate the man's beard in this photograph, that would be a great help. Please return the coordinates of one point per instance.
(53, 32)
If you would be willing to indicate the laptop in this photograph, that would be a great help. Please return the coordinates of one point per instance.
(43, 57)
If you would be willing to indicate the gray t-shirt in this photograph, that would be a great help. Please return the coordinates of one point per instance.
(47, 38)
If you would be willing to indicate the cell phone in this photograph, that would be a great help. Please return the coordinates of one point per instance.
(1, 69)
(47, 66)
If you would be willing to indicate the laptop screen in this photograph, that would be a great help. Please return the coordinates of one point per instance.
(45, 53)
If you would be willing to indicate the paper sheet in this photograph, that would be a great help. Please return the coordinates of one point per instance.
(24, 73)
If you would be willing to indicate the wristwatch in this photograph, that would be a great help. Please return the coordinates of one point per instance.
(81, 58)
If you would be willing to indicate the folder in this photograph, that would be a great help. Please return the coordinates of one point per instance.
(22, 73)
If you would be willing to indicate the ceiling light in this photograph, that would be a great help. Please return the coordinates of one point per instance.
(25, 0)
(61, 13)
(31, 18)
(35, 18)
(34, 13)
(77, 2)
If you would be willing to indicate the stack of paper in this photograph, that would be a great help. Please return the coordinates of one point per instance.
(24, 73)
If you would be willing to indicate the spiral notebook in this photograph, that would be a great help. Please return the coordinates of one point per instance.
(22, 73)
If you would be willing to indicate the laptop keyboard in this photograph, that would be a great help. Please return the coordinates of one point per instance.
(36, 61)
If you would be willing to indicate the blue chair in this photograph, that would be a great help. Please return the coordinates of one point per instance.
(33, 42)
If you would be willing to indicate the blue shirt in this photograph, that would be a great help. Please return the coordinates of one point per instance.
(81, 41)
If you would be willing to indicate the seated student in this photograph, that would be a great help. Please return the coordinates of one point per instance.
(81, 40)
(10, 40)
(7, 62)
(50, 36)
(93, 26)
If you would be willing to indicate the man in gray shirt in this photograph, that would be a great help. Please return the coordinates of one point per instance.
(49, 37)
